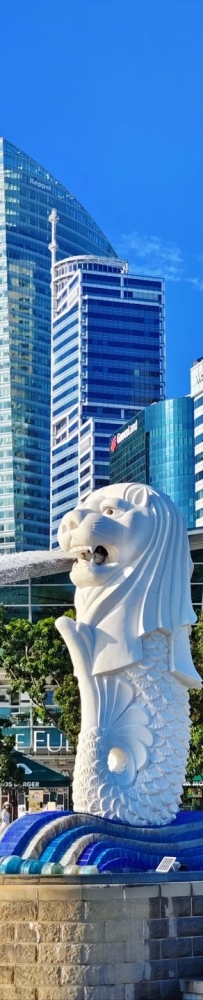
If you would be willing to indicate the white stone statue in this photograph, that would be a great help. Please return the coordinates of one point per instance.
(131, 652)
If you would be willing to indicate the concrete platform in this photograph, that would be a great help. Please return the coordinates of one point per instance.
(60, 941)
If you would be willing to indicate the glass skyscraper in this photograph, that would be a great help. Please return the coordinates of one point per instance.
(158, 448)
(28, 193)
(196, 380)
(108, 359)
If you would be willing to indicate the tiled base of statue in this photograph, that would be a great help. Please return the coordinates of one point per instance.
(79, 845)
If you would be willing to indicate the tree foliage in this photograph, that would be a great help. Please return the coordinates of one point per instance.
(195, 761)
(34, 656)
(10, 772)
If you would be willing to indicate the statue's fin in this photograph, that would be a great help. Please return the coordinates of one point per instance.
(79, 640)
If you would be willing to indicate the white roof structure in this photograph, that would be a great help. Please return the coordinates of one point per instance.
(18, 566)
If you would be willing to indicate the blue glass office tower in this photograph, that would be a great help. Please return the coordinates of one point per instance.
(157, 448)
(108, 359)
(196, 382)
(28, 193)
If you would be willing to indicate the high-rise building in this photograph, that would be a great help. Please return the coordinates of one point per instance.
(28, 193)
(163, 446)
(196, 383)
(108, 360)
(157, 448)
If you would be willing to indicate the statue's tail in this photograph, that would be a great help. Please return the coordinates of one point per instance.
(134, 771)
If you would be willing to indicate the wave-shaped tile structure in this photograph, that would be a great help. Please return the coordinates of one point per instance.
(74, 843)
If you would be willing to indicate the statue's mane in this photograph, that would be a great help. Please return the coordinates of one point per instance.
(165, 567)
(157, 587)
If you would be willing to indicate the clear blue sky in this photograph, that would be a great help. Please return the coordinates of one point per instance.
(108, 95)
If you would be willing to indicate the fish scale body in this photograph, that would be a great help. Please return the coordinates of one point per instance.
(153, 797)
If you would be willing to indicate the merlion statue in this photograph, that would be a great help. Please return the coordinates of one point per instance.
(131, 652)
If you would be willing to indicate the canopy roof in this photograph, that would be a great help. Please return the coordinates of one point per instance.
(17, 566)
(38, 775)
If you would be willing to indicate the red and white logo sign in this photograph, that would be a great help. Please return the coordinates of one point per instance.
(122, 435)
(114, 443)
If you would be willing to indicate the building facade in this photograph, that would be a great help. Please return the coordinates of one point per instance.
(48, 596)
(108, 360)
(196, 388)
(28, 193)
(33, 599)
(44, 744)
(196, 548)
(158, 448)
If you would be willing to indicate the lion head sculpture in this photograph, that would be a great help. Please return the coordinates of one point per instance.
(132, 569)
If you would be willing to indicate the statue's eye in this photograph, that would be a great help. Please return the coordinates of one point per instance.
(111, 511)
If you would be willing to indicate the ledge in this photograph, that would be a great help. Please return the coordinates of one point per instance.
(151, 878)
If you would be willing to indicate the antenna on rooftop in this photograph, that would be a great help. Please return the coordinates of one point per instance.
(53, 218)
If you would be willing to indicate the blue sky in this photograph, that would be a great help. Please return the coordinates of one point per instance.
(108, 95)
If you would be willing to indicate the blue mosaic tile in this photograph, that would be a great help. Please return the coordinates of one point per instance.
(127, 849)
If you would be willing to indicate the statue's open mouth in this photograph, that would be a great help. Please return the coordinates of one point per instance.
(97, 556)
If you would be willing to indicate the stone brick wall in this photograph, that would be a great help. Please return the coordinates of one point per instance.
(98, 942)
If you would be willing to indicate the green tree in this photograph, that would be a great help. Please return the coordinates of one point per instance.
(11, 774)
(34, 656)
(195, 761)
